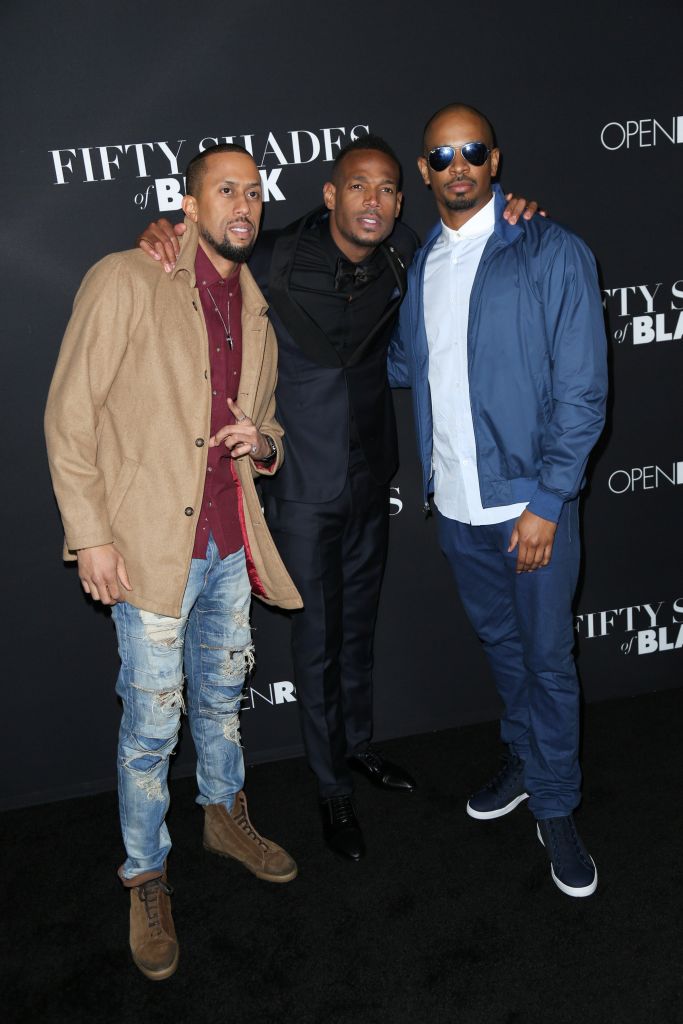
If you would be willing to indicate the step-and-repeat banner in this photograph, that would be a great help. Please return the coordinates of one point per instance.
(104, 106)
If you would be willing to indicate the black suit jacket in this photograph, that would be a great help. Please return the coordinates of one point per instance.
(316, 392)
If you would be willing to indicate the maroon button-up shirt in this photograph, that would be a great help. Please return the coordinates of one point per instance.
(219, 511)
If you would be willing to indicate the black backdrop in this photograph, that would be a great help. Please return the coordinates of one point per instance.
(588, 107)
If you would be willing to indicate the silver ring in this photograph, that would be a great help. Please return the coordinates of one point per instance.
(253, 449)
(242, 417)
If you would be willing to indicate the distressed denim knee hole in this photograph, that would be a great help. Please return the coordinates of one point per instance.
(144, 754)
(231, 730)
(239, 663)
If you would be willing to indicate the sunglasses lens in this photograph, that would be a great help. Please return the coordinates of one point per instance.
(475, 153)
(441, 157)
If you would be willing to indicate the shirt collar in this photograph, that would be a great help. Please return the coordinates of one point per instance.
(482, 223)
(206, 273)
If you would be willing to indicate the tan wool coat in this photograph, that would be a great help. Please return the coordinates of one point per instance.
(128, 423)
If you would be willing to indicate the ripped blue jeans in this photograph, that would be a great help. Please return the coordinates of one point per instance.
(212, 637)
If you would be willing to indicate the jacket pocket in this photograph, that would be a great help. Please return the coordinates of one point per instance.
(118, 492)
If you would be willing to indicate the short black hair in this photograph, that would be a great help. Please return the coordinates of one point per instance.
(461, 108)
(196, 169)
(375, 144)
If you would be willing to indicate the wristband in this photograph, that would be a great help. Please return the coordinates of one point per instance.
(269, 459)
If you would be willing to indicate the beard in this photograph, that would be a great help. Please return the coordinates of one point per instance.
(233, 253)
(461, 203)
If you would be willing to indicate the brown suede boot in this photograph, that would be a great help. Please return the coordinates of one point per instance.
(153, 941)
(233, 835)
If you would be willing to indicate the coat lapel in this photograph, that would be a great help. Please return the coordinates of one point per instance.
(398, 268)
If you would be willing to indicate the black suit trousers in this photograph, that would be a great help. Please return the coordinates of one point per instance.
(335, 552)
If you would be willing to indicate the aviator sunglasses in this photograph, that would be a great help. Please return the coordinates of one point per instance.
(475, 153)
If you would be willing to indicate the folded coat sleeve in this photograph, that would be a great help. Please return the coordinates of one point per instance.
(269, 425)
(578, 362)
(265, 416)
(91, 352)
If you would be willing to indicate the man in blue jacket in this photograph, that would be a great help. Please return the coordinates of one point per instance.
(502, 340)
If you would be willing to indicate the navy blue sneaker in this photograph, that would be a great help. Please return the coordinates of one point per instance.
(503, 793)
(571, 866)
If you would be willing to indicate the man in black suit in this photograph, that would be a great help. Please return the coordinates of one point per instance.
(334, 281)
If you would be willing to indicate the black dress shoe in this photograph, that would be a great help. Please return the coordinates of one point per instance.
(383, 773)
(340, 827)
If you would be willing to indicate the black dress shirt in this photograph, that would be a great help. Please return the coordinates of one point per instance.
(344, 299)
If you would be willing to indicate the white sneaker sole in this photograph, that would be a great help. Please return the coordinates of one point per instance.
(568, 890)
(501, 812)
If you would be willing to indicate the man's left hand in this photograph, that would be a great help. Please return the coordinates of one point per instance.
(533, 537)
(241, 437)
(518, 207)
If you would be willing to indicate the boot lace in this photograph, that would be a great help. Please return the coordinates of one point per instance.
(150, 894)
(242, 822)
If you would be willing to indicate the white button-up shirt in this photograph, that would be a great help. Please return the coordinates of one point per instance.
(449, 276)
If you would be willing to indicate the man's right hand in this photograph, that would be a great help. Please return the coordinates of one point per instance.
(160, 241)
(101, 569)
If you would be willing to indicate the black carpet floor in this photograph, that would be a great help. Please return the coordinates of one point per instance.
(446, 920)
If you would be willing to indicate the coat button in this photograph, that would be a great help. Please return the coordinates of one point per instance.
(189, 511)
(199, 442)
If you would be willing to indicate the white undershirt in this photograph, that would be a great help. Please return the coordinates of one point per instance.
(449, 276)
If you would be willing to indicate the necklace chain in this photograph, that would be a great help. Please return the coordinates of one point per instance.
(226, 327)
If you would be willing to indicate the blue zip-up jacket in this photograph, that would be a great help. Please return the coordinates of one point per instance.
(537, 363)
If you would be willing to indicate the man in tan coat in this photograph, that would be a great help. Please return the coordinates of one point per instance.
(160, 413)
